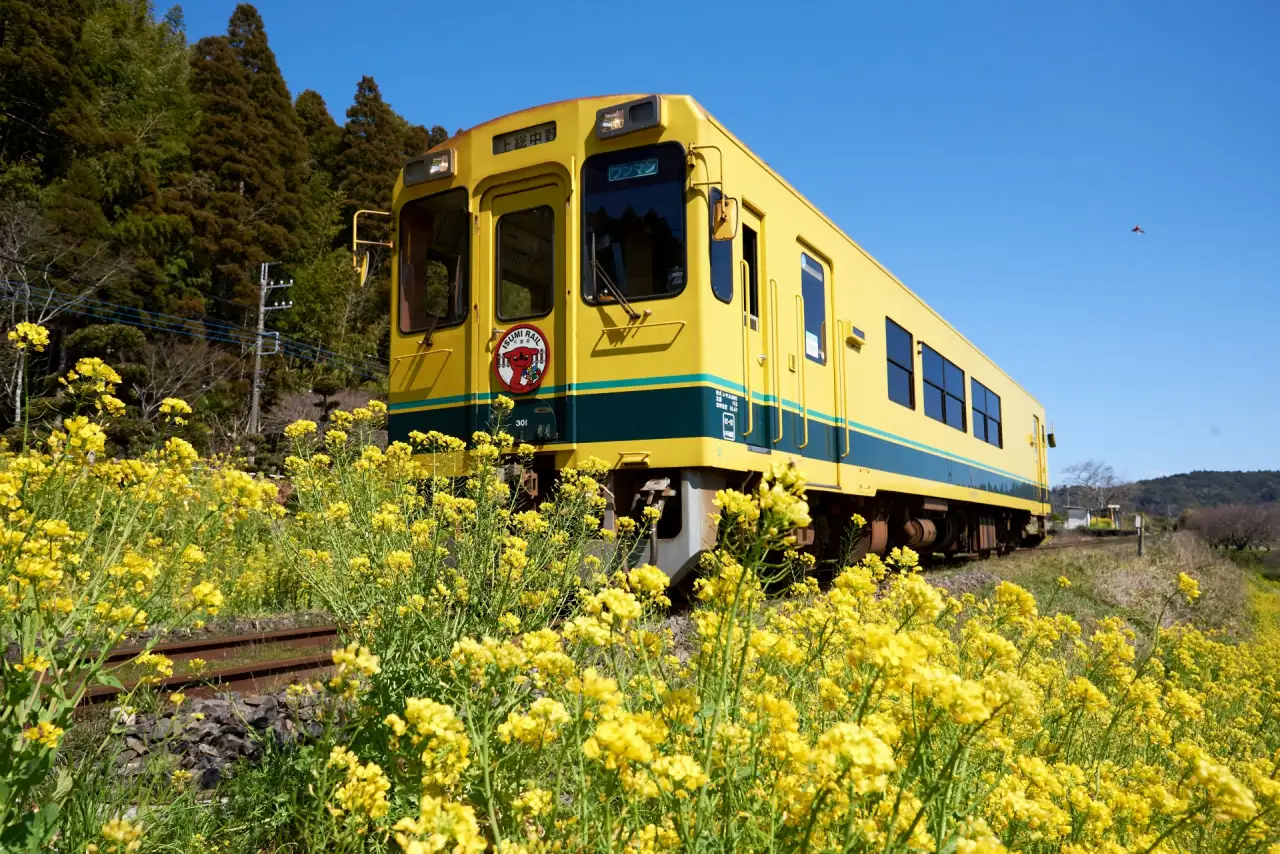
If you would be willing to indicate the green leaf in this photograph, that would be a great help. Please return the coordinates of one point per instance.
(35, 829)
(103, 677)
(63, 787)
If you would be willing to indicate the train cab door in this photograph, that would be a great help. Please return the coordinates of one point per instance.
(816, 355)
(759, 428)
(519, 295)
(1042, 462)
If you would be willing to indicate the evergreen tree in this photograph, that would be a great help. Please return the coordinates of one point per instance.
(375, 144)
(139, 171)
(276, 134)
(249, 153)
(221, 206)
(43, 97)
(139, 71)
(320, 130)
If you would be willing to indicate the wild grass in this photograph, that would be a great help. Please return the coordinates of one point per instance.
(1110, 580)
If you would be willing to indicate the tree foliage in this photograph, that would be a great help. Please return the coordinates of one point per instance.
(143, 176)
(1169, 495)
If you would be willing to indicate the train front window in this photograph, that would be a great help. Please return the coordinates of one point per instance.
(434, 241)
(633, 230)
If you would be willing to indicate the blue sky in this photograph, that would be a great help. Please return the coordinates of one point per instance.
(994, 155)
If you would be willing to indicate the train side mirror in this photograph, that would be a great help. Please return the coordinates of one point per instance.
(1053, 443)
(724, 219)
(362, 268)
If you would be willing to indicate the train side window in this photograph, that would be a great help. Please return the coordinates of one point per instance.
(943, 389)
(986, 415)
(526, 263)
(721, 258)
(434, 246)
(813, 290)
(902, 372)
(751, 254)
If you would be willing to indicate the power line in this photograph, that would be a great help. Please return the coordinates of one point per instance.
(225, 332)
(129, 316)
(377, 365)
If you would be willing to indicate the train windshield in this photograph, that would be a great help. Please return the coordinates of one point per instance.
(633, 232)
(434, 238)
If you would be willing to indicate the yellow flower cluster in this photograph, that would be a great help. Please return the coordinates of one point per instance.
(120, 836)
(175, 409)
(156, 666)
(362, 795)
(537, 727)
(354, 666)
(436, 730)
(46, 734)
(32, 335)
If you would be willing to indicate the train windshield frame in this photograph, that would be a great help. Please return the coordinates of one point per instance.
(634, 224)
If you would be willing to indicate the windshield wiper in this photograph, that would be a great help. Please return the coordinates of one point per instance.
(598, 274)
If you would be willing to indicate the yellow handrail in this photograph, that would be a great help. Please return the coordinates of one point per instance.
(421, 353)
(573, 272)
(777, 361)
(842, 381)
(746, 349)
(804, 357)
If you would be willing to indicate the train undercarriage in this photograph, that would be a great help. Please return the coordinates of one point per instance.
(929, 526)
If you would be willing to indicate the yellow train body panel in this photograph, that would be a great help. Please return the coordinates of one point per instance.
(722, 356)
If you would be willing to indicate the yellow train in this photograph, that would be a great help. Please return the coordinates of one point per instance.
(652, 294)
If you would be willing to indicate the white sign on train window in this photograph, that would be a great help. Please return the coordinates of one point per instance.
(812, 346)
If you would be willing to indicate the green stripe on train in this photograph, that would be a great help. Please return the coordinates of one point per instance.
(700, 411)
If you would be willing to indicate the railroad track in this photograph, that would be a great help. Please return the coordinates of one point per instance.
(254, 663)
(263, 662)
(1087, 542)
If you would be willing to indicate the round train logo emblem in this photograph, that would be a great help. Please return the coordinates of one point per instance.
(520, 360)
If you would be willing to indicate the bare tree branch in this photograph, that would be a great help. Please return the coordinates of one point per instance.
(1238, 526)
(1096, 478)
(43, 272)
(184, 369)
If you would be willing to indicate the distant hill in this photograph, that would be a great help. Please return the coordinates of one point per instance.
(1171, 495)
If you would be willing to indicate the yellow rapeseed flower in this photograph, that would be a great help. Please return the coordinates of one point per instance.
(45, 733)
(31, 335)
(1188, 587)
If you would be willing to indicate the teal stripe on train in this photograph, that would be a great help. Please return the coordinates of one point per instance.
(701, 411)
(545, 394)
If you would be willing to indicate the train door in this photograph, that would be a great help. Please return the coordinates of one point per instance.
(1037, 443)
(816, 353)
(759, 429)
(520, 294)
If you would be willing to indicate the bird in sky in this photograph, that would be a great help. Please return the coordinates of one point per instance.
(1137, 229)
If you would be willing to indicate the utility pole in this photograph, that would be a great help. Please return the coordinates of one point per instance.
(265, 286)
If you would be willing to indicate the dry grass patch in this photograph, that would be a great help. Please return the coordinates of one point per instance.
(1111, 580)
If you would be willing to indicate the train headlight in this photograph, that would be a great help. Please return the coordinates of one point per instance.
(429, 167)
(612, 120)
(640, 114)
